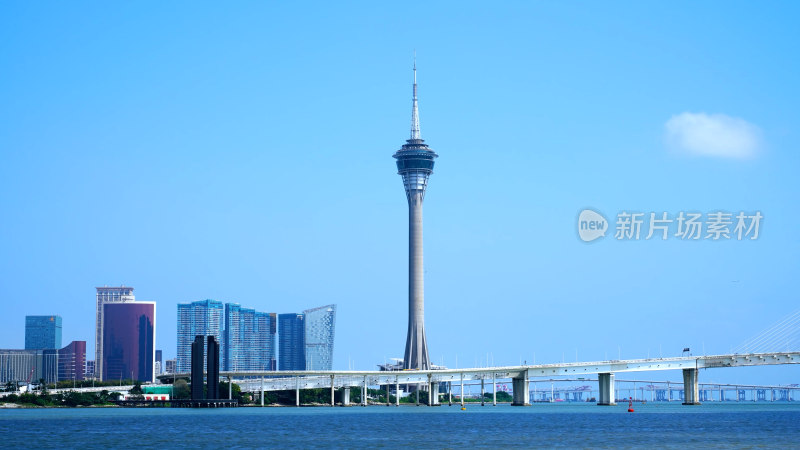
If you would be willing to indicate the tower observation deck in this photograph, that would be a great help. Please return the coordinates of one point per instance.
(415, 164)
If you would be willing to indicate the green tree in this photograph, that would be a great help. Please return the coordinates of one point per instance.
(42, 387)
(501, 396)
(136, 392)
(236, 390)
(180, 390)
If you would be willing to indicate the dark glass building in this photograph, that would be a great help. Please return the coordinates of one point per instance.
(291, 342)
(72, 361)
(42, 332)
(128, 340)
(159, 363)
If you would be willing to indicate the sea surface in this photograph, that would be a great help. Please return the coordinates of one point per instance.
(727, 425)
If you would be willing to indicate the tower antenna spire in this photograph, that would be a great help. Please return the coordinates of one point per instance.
(415, 133)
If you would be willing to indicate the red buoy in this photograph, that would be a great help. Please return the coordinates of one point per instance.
(630, 404)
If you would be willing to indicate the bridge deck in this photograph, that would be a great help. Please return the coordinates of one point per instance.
(288, 380)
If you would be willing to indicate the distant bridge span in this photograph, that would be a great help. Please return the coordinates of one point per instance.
(520, 375)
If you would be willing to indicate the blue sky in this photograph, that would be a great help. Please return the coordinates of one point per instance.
(243, 153)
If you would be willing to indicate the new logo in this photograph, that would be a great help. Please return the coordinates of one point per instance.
(591, 225)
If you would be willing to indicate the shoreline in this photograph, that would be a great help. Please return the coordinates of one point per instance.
(32, 406)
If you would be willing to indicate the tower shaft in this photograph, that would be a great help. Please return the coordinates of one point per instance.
(416, 354)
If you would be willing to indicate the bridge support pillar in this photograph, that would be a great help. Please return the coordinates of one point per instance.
(690, 389)
(262, 391)
(494, 390)
(483, 393)
(433, 391)
(449, 393)
(606, 389)
(388, 398)
(296, 391)
(332, 391)
(396, 391)
(462, 390)
(522, 395)
(346, 397)
(364, 392)
(230, 388)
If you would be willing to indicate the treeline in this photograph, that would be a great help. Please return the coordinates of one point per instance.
(62, 399)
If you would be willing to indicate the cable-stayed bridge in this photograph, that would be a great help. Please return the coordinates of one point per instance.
(783, 335)
(519, 376)
(757, 351)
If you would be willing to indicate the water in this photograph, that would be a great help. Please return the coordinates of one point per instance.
(728, 425)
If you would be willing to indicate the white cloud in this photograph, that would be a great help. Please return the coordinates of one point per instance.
(713, 135)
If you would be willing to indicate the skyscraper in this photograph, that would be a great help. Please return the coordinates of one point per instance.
(122, 294)
(249, 339)
(291, 342)
(159, 364)
(203, 317)
(72, 361)
(265, 334)
(129, 330)
(319, 332)
(42, 332)
(415, 165)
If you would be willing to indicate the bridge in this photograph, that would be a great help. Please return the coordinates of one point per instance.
(520, 376)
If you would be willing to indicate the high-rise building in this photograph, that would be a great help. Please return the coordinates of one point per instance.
(319, 332)
(128, 341)
(28, 365)
(105, 294)
(233, 335)
(159, 365)
(291, 342)
(264, 340)
(89, 371)
(170, 365)
(415, 165)
(249, 339)
(72, 361)
(203, 317)
(42, 332)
